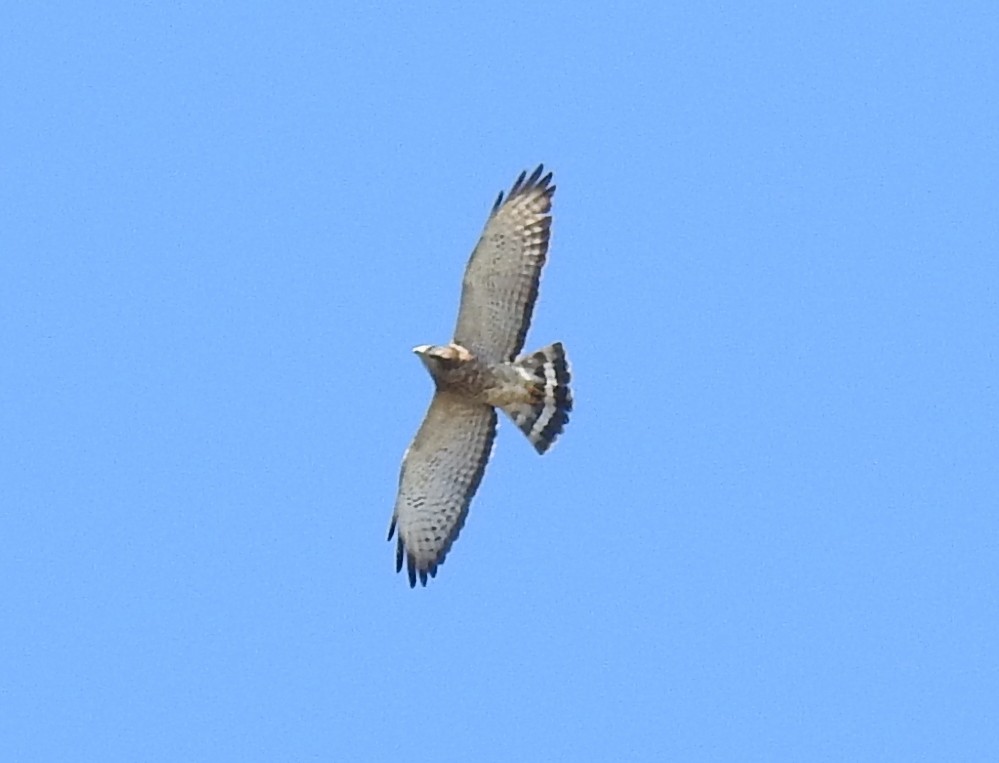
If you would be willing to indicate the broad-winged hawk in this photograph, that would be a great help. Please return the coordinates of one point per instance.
(479, 371)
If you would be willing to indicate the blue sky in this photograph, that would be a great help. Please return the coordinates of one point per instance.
(769, 531)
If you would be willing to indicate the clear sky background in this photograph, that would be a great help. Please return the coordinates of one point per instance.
(770, 530)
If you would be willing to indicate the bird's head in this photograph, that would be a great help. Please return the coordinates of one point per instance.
(429, 356)
(441, 357)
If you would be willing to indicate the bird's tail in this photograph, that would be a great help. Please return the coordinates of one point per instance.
(543, 420)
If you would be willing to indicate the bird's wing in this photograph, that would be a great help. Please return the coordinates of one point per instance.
(501, 280)
(441, 471)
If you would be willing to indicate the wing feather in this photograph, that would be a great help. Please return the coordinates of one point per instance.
(501, 279)
(440, 473)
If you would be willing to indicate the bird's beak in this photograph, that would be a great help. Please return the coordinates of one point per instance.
(421, 349)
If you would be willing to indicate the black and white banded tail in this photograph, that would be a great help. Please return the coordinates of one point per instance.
(543, 421)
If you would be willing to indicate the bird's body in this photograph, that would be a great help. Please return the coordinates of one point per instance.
(455, 369)
(478, 372)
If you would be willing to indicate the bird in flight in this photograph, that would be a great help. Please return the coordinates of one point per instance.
(481, 370)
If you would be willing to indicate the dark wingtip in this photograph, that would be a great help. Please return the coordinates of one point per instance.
(525, 182)
(413, 572)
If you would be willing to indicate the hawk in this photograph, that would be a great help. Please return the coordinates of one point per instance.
(479, 371)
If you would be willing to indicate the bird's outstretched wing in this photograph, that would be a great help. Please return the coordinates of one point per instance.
(501, 280)
(440, 473)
